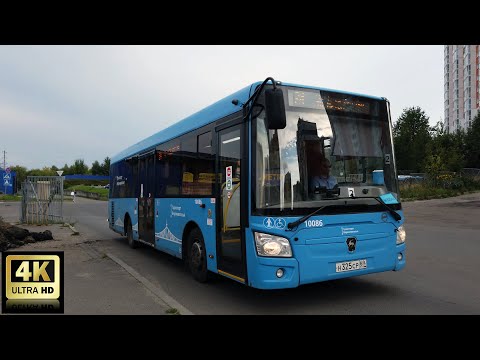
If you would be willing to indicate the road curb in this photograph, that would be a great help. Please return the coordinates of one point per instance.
(74, 231)
(156, 290)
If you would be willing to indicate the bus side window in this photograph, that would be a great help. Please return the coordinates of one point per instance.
(168, 169)
(204, 165)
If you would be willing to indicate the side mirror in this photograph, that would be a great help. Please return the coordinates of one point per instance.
(275, 109)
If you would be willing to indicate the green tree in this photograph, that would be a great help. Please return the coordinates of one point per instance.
(54, 168)
(79, 167)
(96, 169)
(45, 171)
(434, 166)
(48, 171)
(472, 144)
(448, 148)
(411, 135)
(66, 170)
(106, 166)
(34, 172)
(21, 175)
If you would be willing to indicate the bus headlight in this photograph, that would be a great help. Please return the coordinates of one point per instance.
(401, 235)
(271, 245)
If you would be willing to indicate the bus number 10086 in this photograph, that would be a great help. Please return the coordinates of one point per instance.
(314, 223)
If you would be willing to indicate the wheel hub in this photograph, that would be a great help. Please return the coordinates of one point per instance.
(197, 254)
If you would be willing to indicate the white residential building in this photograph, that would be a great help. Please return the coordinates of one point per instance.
(461, 85)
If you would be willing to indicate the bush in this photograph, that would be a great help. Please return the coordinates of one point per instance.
(447, 185)
(450, 181)
(425, 192)
(471, 183)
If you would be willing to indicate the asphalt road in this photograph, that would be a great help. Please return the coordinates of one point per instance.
(441, 276)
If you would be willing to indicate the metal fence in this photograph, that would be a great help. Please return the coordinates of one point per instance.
(408, 179)
(472, 172)
(42, 200)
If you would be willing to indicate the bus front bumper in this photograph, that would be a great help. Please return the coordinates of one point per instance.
(316, 263)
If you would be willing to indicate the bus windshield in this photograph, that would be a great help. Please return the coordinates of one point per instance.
(336, 149)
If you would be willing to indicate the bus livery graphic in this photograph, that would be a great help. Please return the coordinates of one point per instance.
(166, 234)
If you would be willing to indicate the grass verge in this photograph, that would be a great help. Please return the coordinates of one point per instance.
(5, 197)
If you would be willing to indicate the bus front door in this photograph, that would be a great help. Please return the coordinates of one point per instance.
(146, 200)
(230, 244)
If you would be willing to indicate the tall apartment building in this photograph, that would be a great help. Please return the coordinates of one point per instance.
(461, 85)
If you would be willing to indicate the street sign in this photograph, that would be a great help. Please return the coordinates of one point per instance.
(7, 170)
(6, 176)
(60, 172)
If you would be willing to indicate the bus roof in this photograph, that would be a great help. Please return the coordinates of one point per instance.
(218, 110)
(201, 118)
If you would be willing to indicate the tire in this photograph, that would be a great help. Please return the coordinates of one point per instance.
(132, 243)
(197, 256)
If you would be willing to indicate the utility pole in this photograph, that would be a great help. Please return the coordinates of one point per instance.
(4, 169)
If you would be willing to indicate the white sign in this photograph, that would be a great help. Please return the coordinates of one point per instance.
(269, 223)
(6, 176)
(280, 223)
(351, 192)
(60, 172)
(228, 171)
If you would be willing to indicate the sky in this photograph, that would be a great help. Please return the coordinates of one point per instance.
(62, 103)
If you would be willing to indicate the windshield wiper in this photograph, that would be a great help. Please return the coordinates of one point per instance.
(395, 215)
(294, 224)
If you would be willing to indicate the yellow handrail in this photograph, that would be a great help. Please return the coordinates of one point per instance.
(226, 209)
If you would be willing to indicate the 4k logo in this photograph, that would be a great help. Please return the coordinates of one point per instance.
(33, 281)
(38, 270)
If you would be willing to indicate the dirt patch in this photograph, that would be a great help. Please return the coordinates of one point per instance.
(473, 203)
(12, 236)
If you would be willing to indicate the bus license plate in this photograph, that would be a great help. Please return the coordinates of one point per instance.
(351, 265)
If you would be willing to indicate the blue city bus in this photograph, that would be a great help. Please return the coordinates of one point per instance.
(235, 188)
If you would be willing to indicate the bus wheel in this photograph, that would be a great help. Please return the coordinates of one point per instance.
(197, 255)
(132, 243)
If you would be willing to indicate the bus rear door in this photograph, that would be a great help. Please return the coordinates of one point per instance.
(146, 201)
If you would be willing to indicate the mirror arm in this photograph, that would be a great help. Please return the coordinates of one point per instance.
(256, 93)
